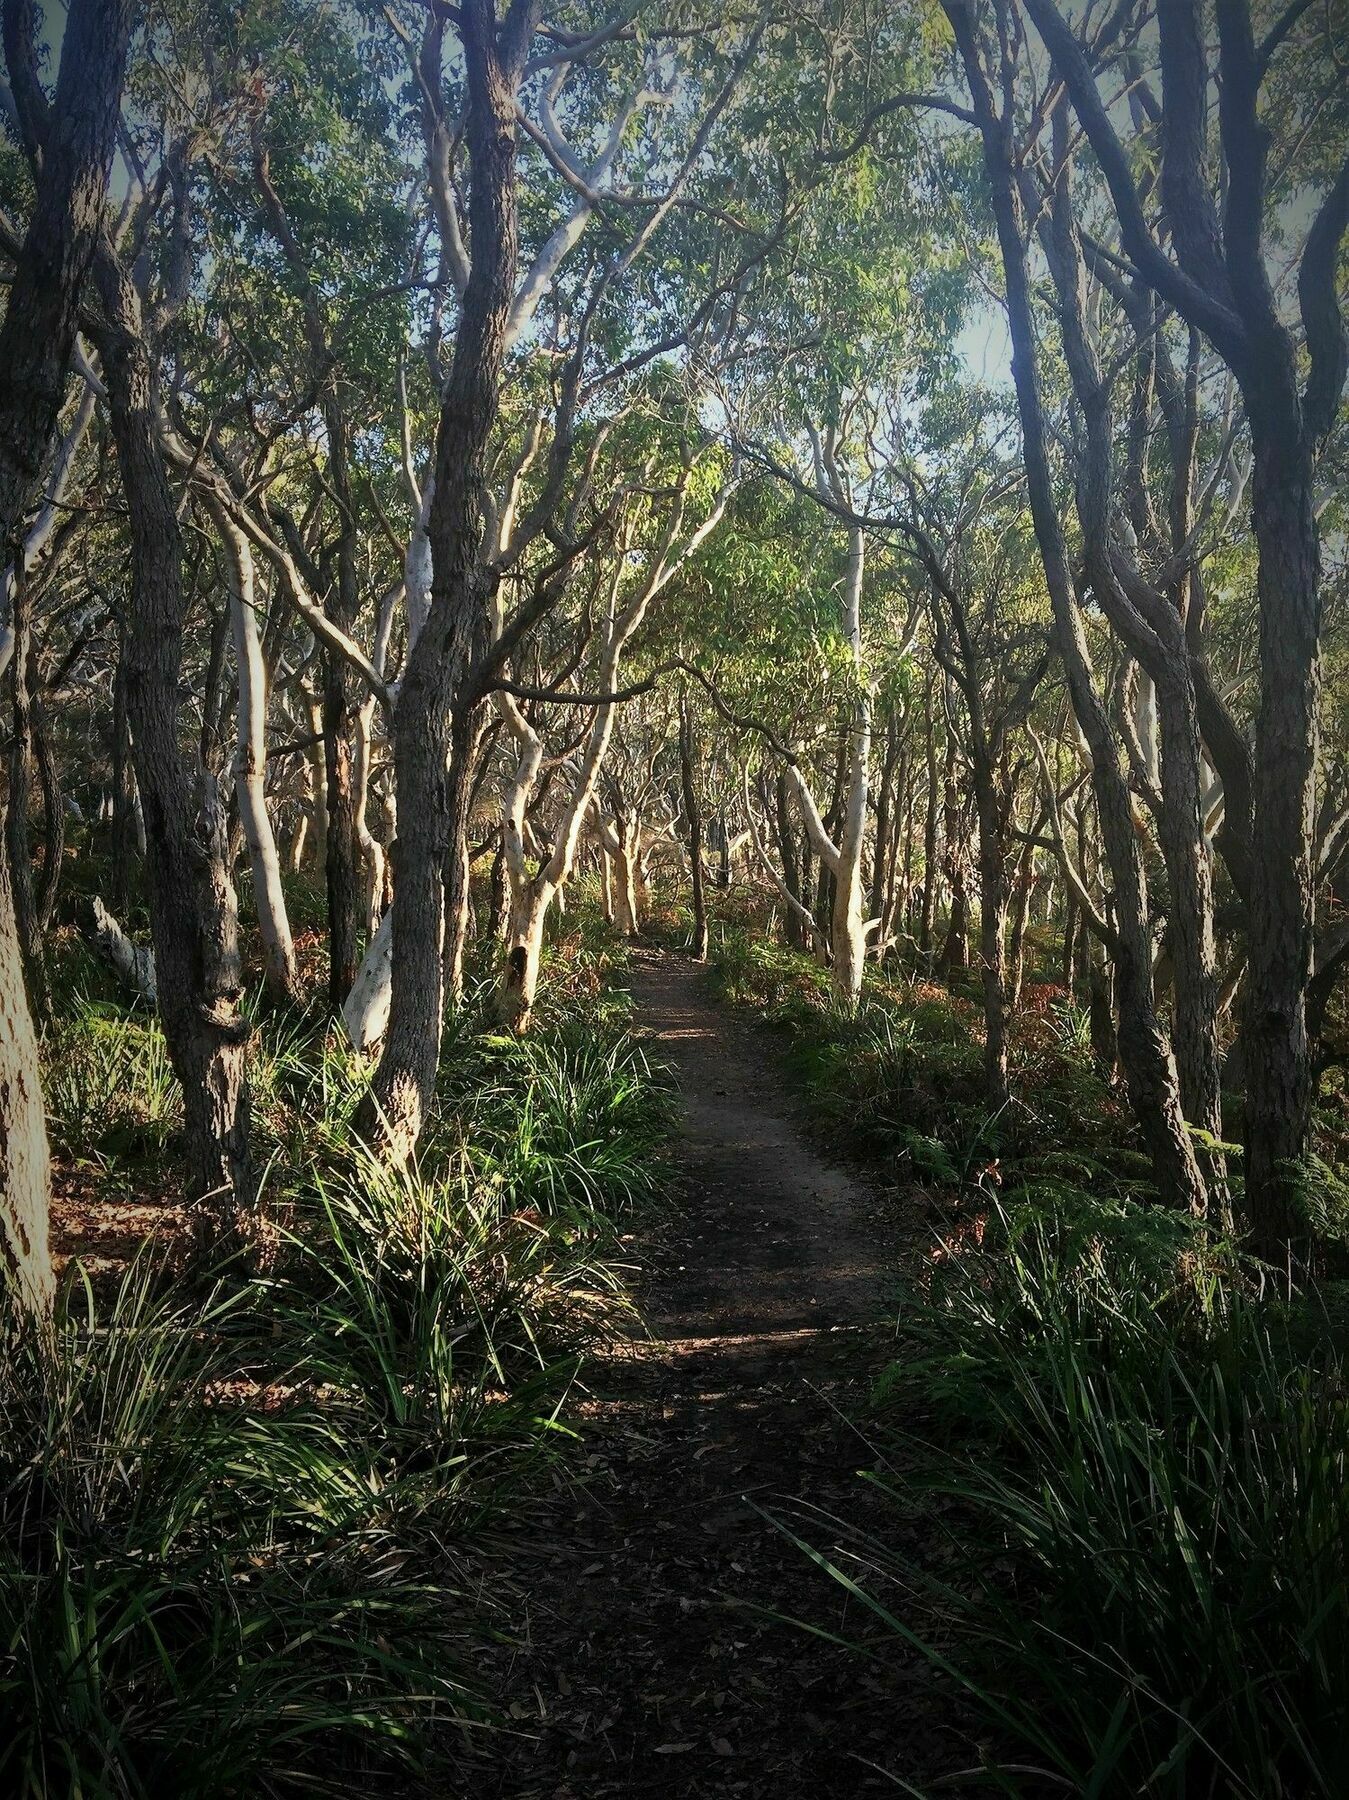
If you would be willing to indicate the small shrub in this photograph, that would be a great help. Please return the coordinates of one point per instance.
(169, 1623)
(110, 1088)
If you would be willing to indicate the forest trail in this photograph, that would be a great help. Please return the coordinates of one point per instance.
(652, 1663)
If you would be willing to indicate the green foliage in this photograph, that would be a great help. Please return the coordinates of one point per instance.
(109, 1086)
(233, 1524)
(901, 1078)
(1150, 1558)
(169, 1622)
(1323, 1193)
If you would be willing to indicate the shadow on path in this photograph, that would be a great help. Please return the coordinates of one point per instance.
(656, 1657)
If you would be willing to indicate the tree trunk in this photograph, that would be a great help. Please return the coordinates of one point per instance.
(1154, 1088)
(124, 832)
(53, 810)
(627, 906)
(1021, 905)
(318, 783)
(992, 941)
(193, 918)
(693, 821)
(132, 964)
(499, 905)
(1066, 969)
(340, 860)
(371, 850)
(44, 296)
(298, 838)
(848, 922)
(250, 763)
(928, 919)
(1222, 287)
(955, 956)
(17, 846)
(465, 751)
(791, 868)
(365, 1011)
(1190, 933)
(36, 338)
(432, 808)
(899, 887)
(24, 1177)
(1276, 1051)
(524, 954)
(1101, 1012)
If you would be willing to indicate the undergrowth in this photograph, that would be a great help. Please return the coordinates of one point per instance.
(900, 1079)
(1137, 1470)
(1113, 1468)
(235, 1516)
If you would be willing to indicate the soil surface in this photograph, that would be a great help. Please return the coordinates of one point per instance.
(660, 1650)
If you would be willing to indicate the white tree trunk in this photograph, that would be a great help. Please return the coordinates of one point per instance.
(849, 922)
(295, 855)
(607, 885)
(365, 1012)
(132, 964)
(417, 567)
(524, 954)
(39, 533)
(25, 1179)
(318, 782)
(626, 853)
(372, 851)
(250, 760)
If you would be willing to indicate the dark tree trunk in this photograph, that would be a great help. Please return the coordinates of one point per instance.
(434, 701)
(1066, 970)
(340, 864)
(955, 956)
(1151, 622)
(53, 813)
(123, 796)
(886, 810)
(1020, 912)
(17, 846)
(992, 935)
(1220, 284)
(791, 867)
(693, 822)
(499, 902)
(1101, 1014)
(1277, 1049)
(928, 919)
(76, 135)
(1190, 934)
(909, 836)
(193, 920)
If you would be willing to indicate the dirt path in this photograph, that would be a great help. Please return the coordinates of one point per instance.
(653, 1664)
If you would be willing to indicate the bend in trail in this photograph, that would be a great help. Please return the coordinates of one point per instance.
(656, 1655)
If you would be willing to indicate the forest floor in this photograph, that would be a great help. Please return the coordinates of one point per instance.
(656, 1649)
